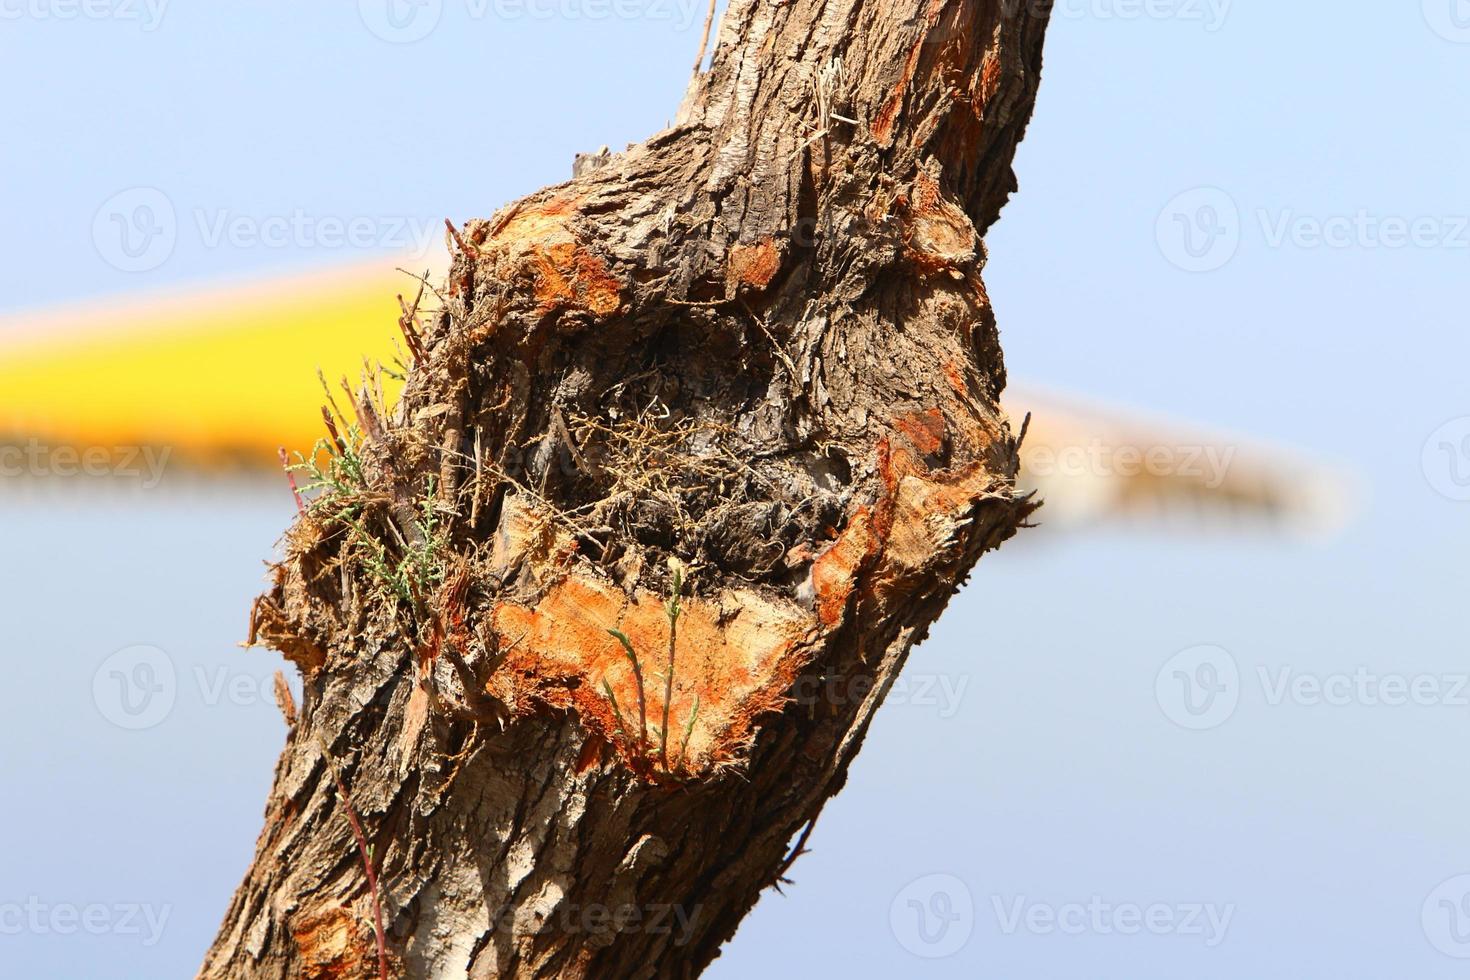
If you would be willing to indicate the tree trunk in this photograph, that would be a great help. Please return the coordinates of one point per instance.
(733, 394)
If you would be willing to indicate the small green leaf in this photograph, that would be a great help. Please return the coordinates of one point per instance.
(607, 689)
(689, 729)
(627, 645)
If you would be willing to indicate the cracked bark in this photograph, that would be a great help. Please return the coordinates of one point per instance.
(757, 343)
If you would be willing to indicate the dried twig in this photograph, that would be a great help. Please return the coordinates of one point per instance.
(285, 700)
(795, 853)
(709, 20)
(408, 323)
(454, 234)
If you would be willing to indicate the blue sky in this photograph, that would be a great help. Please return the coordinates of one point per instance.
(1305, 160)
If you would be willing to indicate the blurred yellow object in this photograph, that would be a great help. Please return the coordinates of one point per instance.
(221, 376)
(1093, 464)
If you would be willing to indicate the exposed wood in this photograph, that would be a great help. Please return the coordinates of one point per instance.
(740, 381)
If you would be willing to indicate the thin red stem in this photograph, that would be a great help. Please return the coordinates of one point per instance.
(291, 479)
(367, 863)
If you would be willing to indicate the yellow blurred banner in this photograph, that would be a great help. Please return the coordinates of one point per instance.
(221, 376)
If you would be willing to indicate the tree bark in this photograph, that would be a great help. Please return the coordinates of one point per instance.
(733, 394)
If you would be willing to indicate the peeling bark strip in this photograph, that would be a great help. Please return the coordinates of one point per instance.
(754, 350)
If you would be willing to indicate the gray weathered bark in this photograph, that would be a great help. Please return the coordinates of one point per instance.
(748, 365)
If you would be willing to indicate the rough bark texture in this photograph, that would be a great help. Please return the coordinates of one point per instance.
(757, 344)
